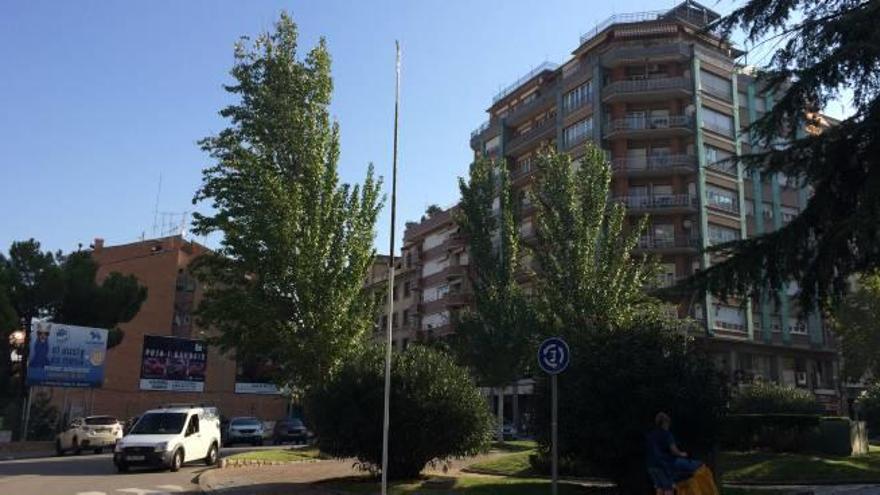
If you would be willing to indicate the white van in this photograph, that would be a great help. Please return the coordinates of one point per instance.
(169, 437)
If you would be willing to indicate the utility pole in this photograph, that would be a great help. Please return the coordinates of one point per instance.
(388, 339)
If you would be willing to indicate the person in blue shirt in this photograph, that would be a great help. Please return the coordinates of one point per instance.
(666, 463)
(40, 357)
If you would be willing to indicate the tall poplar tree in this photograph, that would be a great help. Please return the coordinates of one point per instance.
(287, 282)
(495, 338)
(824, 47)
(588, 276)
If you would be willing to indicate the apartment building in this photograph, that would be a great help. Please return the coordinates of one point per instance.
(404, 319)
(667, 102)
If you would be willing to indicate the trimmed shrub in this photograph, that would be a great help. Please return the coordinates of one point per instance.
(615, 385)
(770, 398)
(776, 432)
(436, 411)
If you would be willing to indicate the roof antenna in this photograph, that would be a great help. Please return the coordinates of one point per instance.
(156, 207)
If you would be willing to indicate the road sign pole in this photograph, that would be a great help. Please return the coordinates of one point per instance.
(554, 435)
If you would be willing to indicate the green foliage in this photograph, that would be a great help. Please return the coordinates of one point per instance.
(286, 283)
(868, 405)
(616, 383)
(824, 48)
(770, 398)
(777, 432)
(588, 277)
(43, 420)
(436, 411)
(495, 340)
(856, 323)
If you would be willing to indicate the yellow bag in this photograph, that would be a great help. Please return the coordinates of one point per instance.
(701, 483)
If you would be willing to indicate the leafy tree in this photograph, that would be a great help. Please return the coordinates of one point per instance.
(616, 382)
(286, 283)
(826, 46)
(430, 211)
(496, 339)
(588, 276)
(856, 322)
(436, 411)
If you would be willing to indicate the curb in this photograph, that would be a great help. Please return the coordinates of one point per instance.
(235, 463)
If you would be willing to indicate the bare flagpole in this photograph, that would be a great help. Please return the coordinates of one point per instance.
(388, 340)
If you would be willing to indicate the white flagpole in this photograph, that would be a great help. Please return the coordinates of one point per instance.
(388, 339)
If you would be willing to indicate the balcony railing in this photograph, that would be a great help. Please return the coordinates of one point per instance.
(719, 129)
(658, 201)
(648, 123)
(547, 96)
(723, 167)
(534, 131)
(567, 109)
(622, 19)
(724, 93)
(479, 130)
(650, 163)
(727, 207)
(519, 82)
(645, 85)
(640, 53)
(668, 242)
(569, 144)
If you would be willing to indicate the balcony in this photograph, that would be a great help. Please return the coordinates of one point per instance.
(669, 244)
(456, 271)
(578, 140)
(624, 54)
(658, 202)
(543, 67)
(545, 100)
(729, 207)
(545, 128)
(647, 127)
(726, 168)
(647, 89)
(721, 130)
(457, 299)
(655, 165)
(580, 104)
(720, 92)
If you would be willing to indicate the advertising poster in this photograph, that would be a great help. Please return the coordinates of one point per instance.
(62, 355)
(253, 377)
(173, 364)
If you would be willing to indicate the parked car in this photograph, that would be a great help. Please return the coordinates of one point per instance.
(290, 430)
(169, 437)
(508, 431)
(91, 432)
(245, 430)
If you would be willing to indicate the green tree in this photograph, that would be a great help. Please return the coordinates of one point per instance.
(856, 322)
(495, 339)
(588, 276)
(826, 47)
(287, 282)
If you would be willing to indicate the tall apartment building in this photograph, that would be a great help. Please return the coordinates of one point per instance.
(667, 102)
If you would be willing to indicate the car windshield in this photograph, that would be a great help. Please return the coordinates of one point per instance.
(246, 422)
(101, 420)
(159, 423)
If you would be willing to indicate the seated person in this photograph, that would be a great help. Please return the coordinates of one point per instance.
(665, 462)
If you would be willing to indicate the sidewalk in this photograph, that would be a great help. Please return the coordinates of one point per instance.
(26, 450)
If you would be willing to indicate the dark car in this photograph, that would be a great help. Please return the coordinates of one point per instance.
(290, 430)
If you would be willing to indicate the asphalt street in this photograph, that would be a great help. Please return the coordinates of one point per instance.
(90, 474)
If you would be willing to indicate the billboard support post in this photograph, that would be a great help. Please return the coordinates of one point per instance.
(26, 415)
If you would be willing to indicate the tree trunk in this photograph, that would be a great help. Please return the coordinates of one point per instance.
(501, 413)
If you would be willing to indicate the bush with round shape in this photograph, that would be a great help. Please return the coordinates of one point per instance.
(615, 385)
(436, 411)
(770, 398)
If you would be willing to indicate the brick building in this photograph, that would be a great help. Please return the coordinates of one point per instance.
(161, 266)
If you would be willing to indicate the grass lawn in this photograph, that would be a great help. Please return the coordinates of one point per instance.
(514, 464)
(467, 485)
(284, 455)
(760, 467)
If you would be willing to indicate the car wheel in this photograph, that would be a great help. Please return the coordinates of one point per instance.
(99, 450)
(212, 457)
(76, 448)
(257, 443)
(176, 461)
(58, 450)
(121, 467)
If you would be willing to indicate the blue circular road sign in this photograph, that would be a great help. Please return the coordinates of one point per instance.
(553, 355)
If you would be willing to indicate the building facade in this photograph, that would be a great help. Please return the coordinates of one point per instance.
(161, 265)
(666, 101)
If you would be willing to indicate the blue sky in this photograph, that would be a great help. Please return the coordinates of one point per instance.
(97, 99)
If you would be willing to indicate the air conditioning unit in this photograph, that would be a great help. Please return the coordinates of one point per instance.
(800, 378)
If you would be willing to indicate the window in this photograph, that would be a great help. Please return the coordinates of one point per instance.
(640, 191)
(661, 190)
(406, 288)
(719, 159)
(717, 122)
(797, 326)
(394, 320)
(524, 164)
(788, 213)
(577, 132)
(578, 96)
(405, 317)
(636, 158)
(667, 275)
(721, 198)
(716, 85)
(394, 292)
(743, 100)
(384, 321)
(493, 144)
(193, 427)
(730, 318)
(767, 211)
(664, 235)
(719, 234)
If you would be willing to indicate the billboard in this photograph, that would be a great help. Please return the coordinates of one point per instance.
(173, 364)
(254, 377)
(62, 355)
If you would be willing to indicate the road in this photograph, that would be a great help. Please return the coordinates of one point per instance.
(96, 475)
